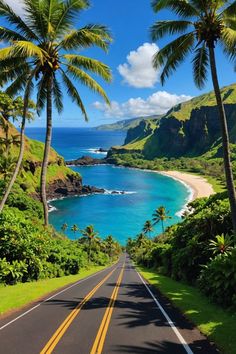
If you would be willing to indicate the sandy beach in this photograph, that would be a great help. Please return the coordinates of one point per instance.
(199, 185)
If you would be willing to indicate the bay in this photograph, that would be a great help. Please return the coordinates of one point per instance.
(121, 215)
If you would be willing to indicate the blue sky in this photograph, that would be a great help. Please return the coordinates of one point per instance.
(135, 89)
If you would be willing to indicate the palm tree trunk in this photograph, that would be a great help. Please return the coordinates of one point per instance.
(225, 139)
(162, 223)
(89, 252)
(20, 156)
(43, 178)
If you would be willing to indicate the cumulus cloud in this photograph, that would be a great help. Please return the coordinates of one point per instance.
(138, 71)
(16, 5)
(158, 103)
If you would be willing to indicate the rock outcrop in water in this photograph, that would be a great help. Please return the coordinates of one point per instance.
(86, 161)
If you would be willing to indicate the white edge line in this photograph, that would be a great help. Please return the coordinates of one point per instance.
(51, 297)
(170, 322)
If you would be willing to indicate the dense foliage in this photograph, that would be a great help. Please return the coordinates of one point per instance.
(29, 252)
(187, 253)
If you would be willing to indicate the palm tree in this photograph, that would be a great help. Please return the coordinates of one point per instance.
(74, 228)
(64, 227)
(43, 50)
(201, 25)
(90, 233)
(110, 243)
(19, 110)
(160, 215)
(147, 228)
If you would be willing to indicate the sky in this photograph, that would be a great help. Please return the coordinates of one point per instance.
(135, 89)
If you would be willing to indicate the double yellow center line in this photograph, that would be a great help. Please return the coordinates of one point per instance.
(100, 338)
(101, 335)
(67, 322)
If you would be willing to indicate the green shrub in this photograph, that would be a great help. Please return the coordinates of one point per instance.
(218, 279)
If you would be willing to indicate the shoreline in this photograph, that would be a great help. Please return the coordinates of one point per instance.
(199, 186)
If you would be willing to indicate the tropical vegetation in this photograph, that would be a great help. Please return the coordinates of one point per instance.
(42, 52)
(199, 251)
(200, 27)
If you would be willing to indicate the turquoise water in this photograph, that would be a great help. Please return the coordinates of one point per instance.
(121, 215)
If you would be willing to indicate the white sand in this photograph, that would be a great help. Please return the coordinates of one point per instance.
(199, 185)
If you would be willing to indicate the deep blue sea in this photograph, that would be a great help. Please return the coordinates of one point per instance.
(121, 215)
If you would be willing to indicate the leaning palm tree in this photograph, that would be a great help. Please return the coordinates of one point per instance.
(201, 25)
(147, 228)
(20, 110)
(160, 215)
(90, 234)
(43, 52)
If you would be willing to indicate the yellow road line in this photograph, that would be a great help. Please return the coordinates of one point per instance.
(51, 344)
(101, 335)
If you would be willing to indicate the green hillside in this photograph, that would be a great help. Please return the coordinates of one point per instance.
(29, 176)
(189, 129)
(126, 124)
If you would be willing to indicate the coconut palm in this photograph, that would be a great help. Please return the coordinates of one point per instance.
(64, 227)
(201, 25)
(90, 234)
(74, 228)
(43, 52)
(160, 215)
(110, 243)
(147, 228)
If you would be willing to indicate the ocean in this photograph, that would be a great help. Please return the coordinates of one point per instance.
(120, 215)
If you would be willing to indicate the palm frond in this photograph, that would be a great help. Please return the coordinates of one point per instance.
(57, 94)
(35, 14)
(180, 7)
(69, 10)
(161, 28)
(92, 65)
(73, 93)
(29, 49)
(7, 34)
(200, 66)
(230, 10)
(88, 36)
(88, 81)
(17, 85)
(173, 54)
(7, 12)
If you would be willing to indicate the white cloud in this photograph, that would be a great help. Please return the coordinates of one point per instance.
(16, 5)
(138, 71)
(158, 103)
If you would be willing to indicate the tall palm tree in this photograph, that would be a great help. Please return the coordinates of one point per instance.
(90, 233)
(64, 227)
(147, 228)
(48, 45)
(110, 243)
(74, 228)
(160, 215)
(201, 25)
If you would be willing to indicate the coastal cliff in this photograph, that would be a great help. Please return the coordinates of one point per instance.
(189, 129)
(61, 180)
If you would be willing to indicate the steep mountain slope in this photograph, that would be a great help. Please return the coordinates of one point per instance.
(189, 129)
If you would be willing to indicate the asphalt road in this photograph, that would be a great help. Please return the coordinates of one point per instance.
(114, 311)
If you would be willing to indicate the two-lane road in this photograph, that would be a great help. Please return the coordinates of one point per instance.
(113, 311)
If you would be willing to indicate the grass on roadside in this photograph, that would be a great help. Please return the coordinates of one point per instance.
(16, 296)
(216, 323)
